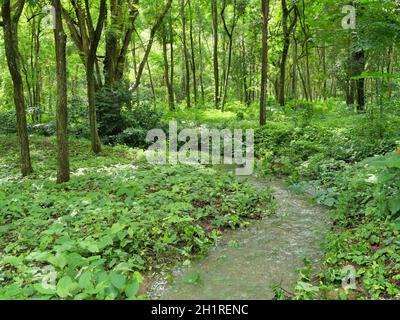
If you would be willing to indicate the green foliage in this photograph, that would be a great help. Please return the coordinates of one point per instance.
(111, 222)
(348, 165)
(139, 121)
(110, 102)
(8, 122)
(367, 228)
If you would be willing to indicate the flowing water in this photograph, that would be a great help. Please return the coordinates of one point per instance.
(247, 263)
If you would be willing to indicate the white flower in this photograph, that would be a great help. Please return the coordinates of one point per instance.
(372, 179)
(74, 213)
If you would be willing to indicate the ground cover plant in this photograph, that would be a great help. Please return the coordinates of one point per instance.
(83, 85)
(112, 223)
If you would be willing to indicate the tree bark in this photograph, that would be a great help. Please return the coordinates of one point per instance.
(229, 33)
(185, 56)
(63, 169)
(171, 53)
(86, 38)
(214, 5)
(10, 26)
(91, 93)
(287, 30)
(118, 38)
(201, 67)
(246, 99)
(359, 58)
(167, 79)
(153, 32)
(193, 56)
(264, 58)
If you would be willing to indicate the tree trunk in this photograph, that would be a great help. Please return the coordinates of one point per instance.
(153, 32)
(229, 33)
(264, 71)
(10, 25)
(63, 170)
(287, 30)
(91, 93)
(246, 99)
(295, 64)
(170, 91)
(193, 57)
(118, 38)
(171, 53)
(201, 68)
(185, 56)
(214, 5)
(360, 83)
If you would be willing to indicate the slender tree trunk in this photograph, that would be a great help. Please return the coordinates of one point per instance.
(10, 26)
(303, 82)
(286, 44)
(167, 79)
(360, 83)
(324, 85)
(91, 93)
(185, 56)
(214, 5)
(389, 70)
(193, 57)
(246, 99)
(308, 73)
(229, 33)
(63, 170)
(295, 64)
(264, 71)
(201, 67)
(171, 53)
(153, 32)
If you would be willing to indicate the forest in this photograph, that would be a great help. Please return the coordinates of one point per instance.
(301, 96)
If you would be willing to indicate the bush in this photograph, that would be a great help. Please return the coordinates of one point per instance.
(138, 122)
(8, 123)
(109, 103)
(43, 129)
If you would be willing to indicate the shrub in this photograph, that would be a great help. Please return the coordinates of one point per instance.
(138, 122)
(8, 123)
(109, 103)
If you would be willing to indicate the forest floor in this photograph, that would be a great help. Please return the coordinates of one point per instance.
(256, 262)
(117, 220)
(120, 220)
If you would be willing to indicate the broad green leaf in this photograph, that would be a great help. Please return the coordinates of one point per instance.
(132, 289)
(394, 205)
(39, 288)
(85, 280)
(118, 280)
(117, 227)
(65, 286)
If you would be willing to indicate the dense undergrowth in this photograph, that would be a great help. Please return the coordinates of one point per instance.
(348, 162)
(117, 219)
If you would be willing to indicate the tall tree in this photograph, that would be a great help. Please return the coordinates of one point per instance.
(229, 32)
(10, 28)
(192, 53)
(214, 7)
(264, 58)
(63, 170)
(170, 90)
(185, 55)
(86, 37)
(287, 30)
(119, 33)
(153, 32)
(171, 54)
